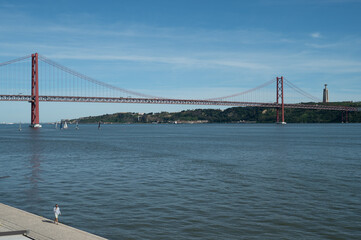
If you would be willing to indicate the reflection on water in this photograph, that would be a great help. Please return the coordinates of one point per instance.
(35, 173)
(35, 164)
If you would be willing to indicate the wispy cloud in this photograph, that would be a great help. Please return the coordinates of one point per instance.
(307, 2)
(329, 66)
(322, 46)
(316, 35)
(185, 61)
(252, 51)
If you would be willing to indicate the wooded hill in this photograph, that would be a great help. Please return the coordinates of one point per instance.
(231, 115)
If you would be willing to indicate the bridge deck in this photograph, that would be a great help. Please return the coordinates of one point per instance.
(174, 101)
(39, 228)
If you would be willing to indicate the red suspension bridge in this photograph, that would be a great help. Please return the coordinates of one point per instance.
(53, 82)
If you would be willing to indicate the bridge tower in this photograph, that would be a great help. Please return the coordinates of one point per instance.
(279, 99)
(34, 91)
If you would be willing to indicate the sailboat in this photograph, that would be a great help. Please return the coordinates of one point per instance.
(65, 125)
(98, 125)
(20, 127)
(77, 126)
(56, 125)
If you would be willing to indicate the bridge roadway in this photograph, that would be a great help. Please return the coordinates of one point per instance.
(29, 98)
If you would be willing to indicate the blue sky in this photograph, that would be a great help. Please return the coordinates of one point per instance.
(188, 49)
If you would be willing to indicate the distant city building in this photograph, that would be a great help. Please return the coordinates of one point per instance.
(325, 94)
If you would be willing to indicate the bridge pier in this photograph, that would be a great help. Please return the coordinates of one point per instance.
(346, 116)
(34, 92)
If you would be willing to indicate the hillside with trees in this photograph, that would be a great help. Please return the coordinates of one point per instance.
(230, 115)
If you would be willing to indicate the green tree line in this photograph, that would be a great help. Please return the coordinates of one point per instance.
(232, 115)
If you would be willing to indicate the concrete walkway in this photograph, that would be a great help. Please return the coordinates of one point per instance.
(39, 228)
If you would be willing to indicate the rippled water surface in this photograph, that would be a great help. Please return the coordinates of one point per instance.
(208, 181)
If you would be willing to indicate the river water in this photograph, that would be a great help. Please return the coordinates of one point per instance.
(205, 181)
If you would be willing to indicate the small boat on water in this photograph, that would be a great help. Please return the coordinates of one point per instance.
(63, 125)
(98, 125)
(56, 125)
(20, 127)
(77, 126)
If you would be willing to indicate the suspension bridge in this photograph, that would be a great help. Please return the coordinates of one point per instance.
(50, 81)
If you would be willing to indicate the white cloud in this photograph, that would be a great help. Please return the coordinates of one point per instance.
(316, 35)
(174, 60)
(329, 66)
(321, 46)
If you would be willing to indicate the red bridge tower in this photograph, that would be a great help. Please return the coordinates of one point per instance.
(34, 91)
(280, 97)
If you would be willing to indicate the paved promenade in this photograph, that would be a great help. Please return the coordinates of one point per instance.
(39, 228)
